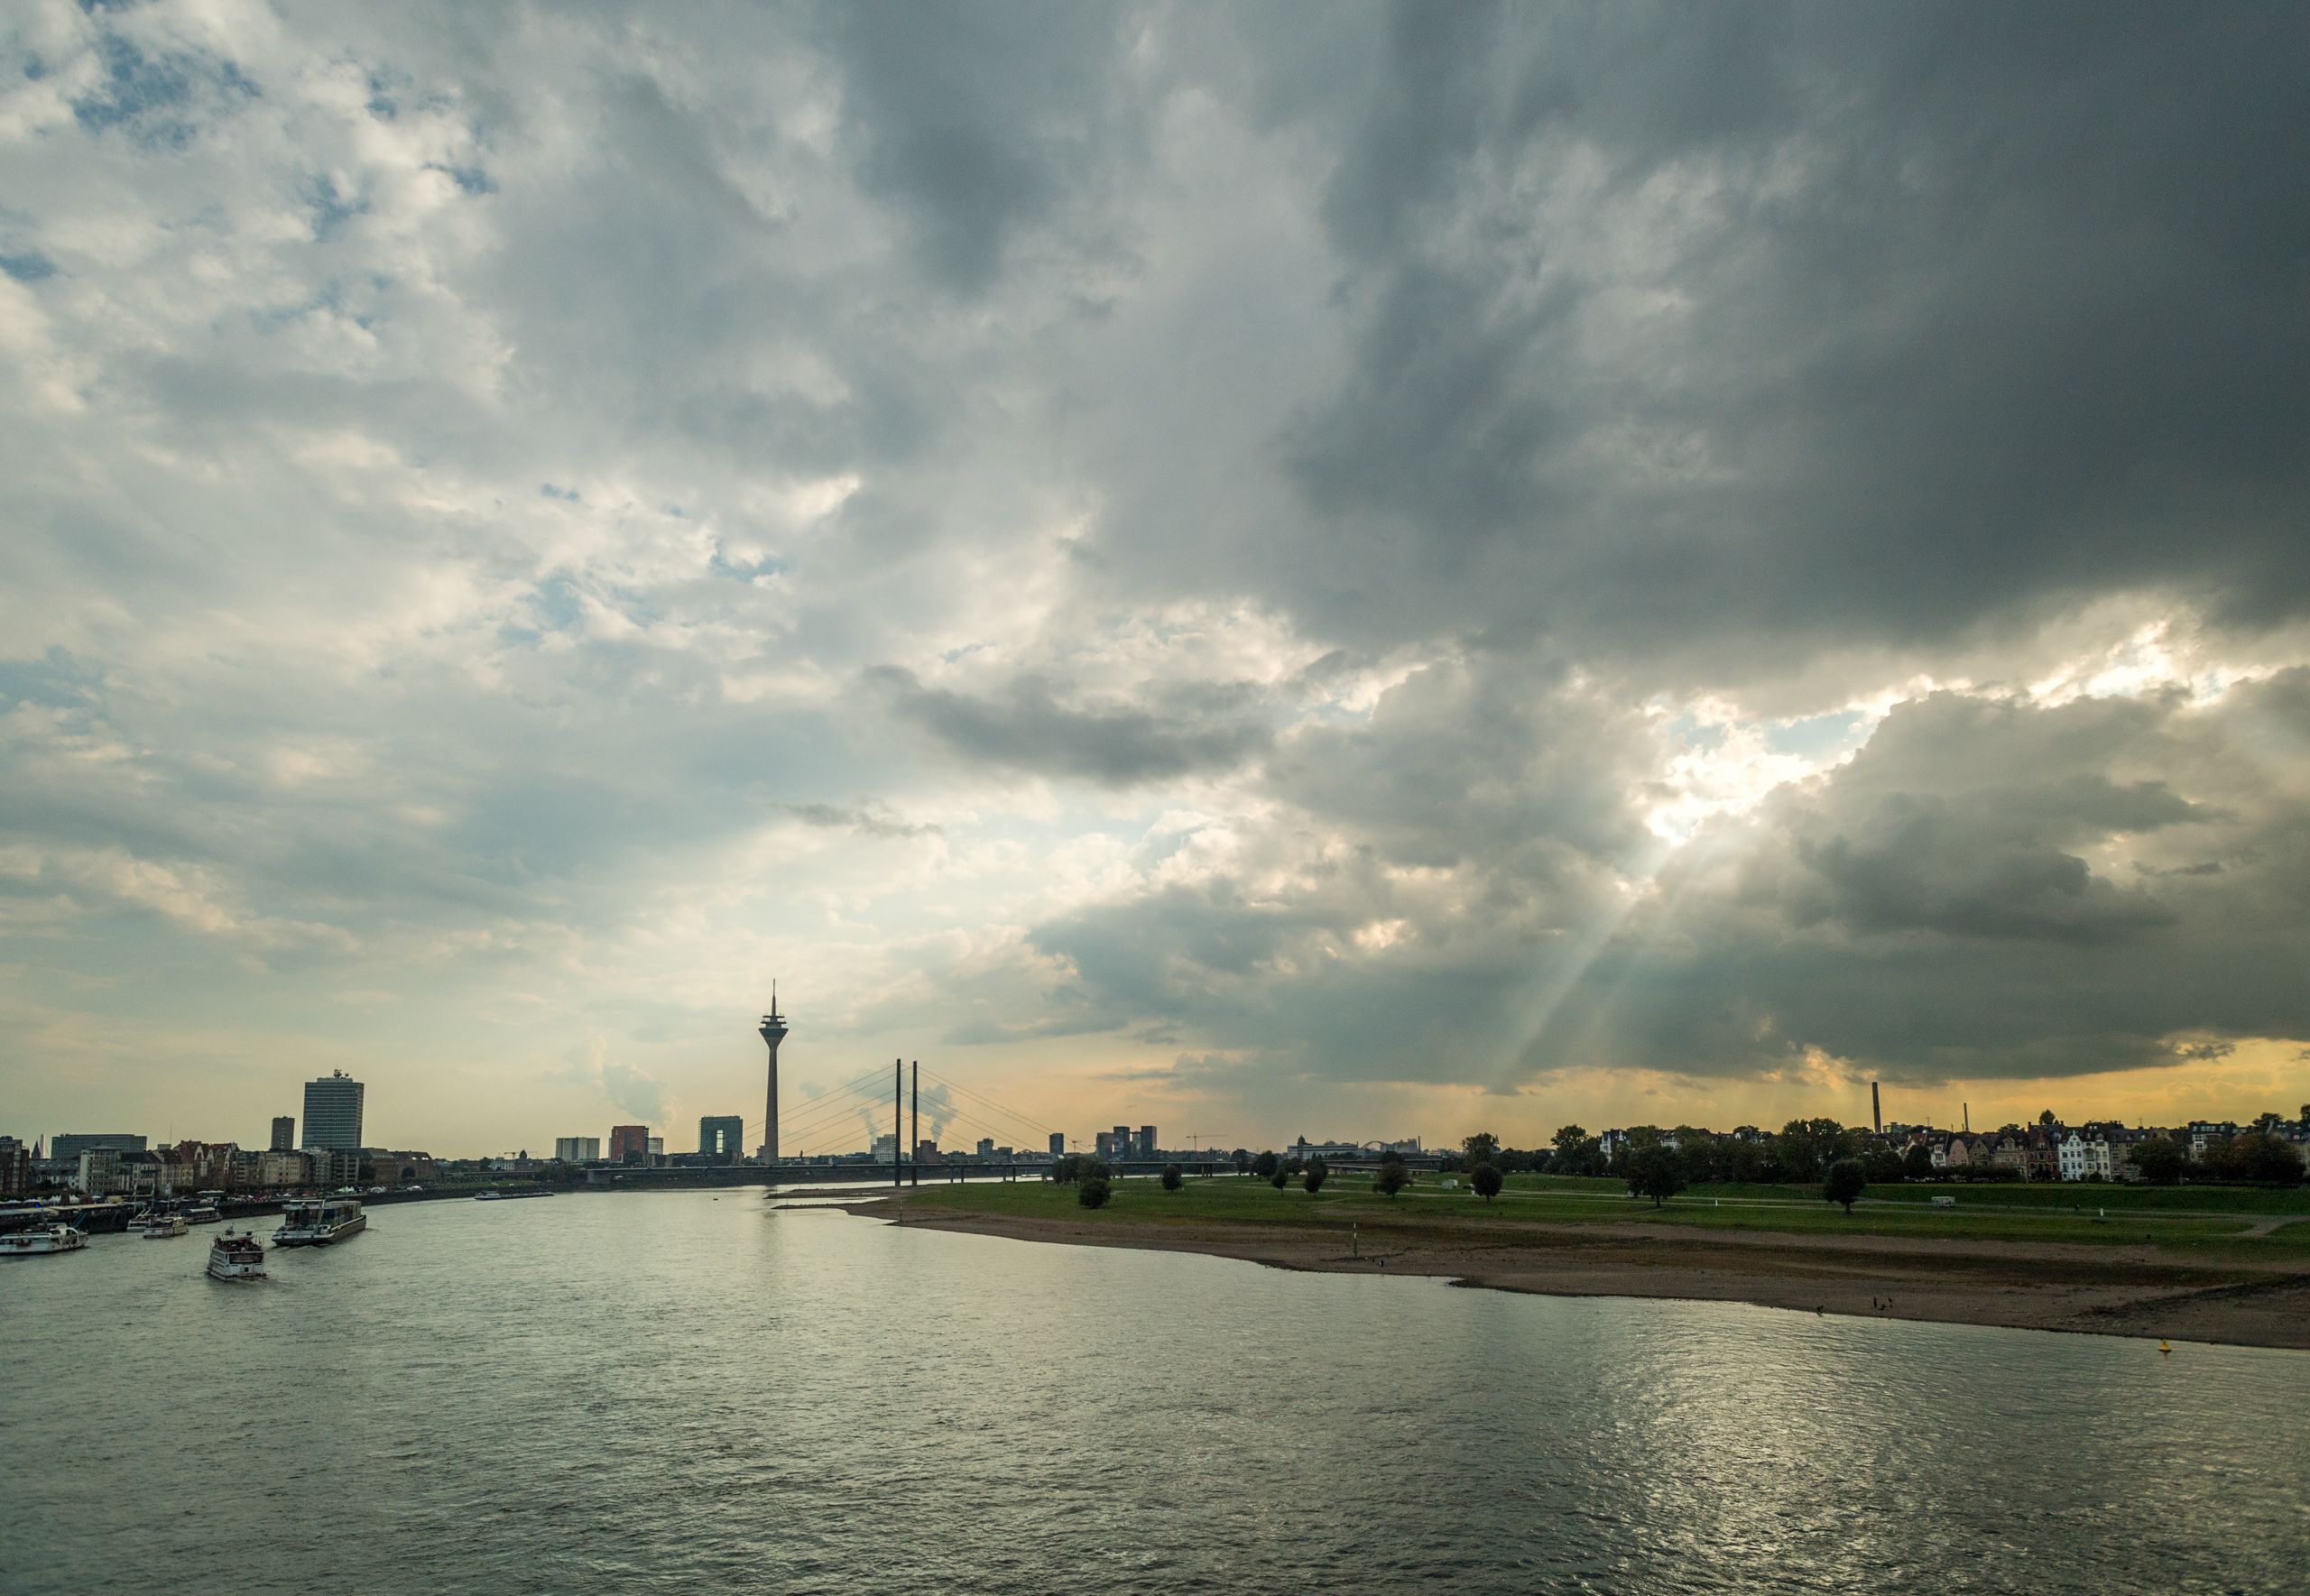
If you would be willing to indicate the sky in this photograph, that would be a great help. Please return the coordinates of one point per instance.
(1307, 569)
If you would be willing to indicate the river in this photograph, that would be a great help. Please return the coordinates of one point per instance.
(678, 1392)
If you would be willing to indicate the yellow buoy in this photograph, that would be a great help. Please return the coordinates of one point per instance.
(2164, 1349)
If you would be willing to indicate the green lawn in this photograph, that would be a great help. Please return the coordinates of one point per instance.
(1796, 1210)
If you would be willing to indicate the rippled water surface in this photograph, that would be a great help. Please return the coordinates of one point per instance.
(669, 1392)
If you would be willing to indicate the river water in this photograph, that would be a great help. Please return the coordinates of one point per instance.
(679, 1391)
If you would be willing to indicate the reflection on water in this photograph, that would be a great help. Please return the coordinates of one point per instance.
(667, 1391)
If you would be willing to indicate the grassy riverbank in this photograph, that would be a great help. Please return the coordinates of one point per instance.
(2134, 1218)
(2147, 1269)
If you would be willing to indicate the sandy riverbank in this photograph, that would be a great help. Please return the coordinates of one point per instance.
(2133, 1291)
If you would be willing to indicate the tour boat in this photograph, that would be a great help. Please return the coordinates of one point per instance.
(316, 1222)
(500, 1197)
(39, 1242)
(236, 1255)
(163, 1227)
(204, 1212)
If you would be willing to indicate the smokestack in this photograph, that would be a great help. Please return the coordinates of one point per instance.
(1967, 1109)
(1876, 1109)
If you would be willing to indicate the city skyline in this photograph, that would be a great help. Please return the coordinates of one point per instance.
(1248, 569)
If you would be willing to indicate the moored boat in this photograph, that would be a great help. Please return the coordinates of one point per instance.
(41, 1240)
(236, 1255)
(316, 1222)
(204, 1212)
(495, 1196)
(163, 1227)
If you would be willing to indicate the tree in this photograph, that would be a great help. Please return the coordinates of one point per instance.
(2266, 1160)
(1882, 1163)
(1391, 1178)
(1482, 1148)
(1279, 1178)
(1846, 1182)
(1917, 1164)
(1486, 1180)
(1092, 1193)
(1264, 1165)
(1655, 1172)
(2045, 1116)
(1172, 1177)
(1317, 1172)
(1807, 1146)
(1575, 1152)
(2160, 1160)
(1067, 1169)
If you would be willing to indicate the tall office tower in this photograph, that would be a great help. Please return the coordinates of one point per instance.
(284, 1133)
(1123, 1141)
(1106, 1144)
(719, 1137)
(578, 1150)
(773, 1031)
(1146, 1141)
(333, 1114)
(629, 1144)
(1059, 1144)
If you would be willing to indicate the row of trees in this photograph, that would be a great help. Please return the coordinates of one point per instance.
(1804, 1150)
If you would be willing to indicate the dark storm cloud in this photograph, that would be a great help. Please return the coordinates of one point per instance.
(974, 122)
(1026, 728)
(1724, 335)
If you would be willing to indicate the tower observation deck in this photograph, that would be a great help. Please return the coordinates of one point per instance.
(773, 1031)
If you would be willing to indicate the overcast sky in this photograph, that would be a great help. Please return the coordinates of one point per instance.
(1259, 569)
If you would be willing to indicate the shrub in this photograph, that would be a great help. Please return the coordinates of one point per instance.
(1171, 1174)
(1092, 1193)
(1318, 1171)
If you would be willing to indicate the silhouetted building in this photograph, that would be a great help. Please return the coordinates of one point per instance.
(15, 1167)
(1146, 1141)
(284, 1133)
(719, 1137)
(1059, 1144)
(629, 1144)
(1106, 1144)
(68, 1147)
(333, 1113)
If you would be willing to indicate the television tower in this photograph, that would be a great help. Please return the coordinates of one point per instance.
(773, 1031)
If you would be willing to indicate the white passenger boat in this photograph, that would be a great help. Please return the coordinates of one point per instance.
(163, 1227)
(39, 1242)
(316, 1222)
(204, 1212)
(236, 1255)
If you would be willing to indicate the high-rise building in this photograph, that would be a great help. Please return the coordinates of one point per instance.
(1059, 1144)
(15, 1167)
(73, 1143)
(578, 1150)
(629, 1144)
(722, 1137)
(1146, 1141)
(1122, 1142)
(1106, 1144)
(886, 1149)
(773, 1031)
(284, 1133)
(333, 1113)
(987, 1147)
(657, 1147)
